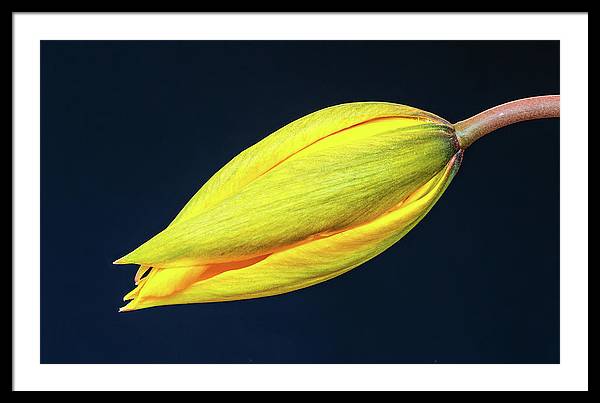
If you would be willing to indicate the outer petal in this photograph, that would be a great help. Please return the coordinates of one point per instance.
(341, 181)
(298, 267)
(295, 136)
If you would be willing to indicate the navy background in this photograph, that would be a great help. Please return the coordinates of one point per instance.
(130, 131)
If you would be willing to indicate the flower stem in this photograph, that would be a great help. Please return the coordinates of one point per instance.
(470, 130)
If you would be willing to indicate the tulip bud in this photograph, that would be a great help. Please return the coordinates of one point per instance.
(311, 201)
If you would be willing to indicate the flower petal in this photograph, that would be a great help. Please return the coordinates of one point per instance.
(300, 266)
(290, 139)
(341, 181)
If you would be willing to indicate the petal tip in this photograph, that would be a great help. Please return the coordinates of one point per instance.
(123, 260)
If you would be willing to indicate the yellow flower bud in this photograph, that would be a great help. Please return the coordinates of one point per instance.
(311, 201)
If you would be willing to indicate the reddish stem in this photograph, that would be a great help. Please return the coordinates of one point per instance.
(473, 128)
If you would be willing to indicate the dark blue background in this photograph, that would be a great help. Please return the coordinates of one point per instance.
(130, 131)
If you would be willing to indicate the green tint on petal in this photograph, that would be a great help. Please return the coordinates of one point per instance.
(341, 181)
(290, 139)
(298, 267)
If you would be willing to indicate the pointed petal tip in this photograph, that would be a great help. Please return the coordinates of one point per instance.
(122, 260)
(131, 306)
(130, 295)
(132, 257)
